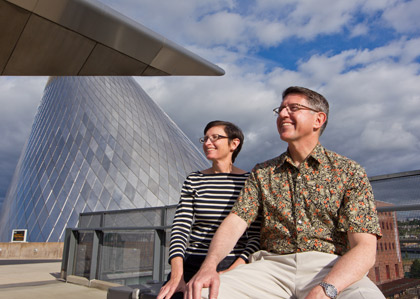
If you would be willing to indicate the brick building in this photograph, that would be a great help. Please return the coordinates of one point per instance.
(388, 266)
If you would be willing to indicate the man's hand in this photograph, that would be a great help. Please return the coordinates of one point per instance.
(205, 278)
(317, 293)
(352, 266)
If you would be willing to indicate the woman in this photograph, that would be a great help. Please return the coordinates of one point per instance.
(207, 197)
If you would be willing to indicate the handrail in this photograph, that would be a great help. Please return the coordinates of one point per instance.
(132, 228)
(394, 208)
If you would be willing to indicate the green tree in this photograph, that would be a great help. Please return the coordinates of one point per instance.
(415, 269)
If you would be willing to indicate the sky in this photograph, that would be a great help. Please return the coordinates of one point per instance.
(362, 55)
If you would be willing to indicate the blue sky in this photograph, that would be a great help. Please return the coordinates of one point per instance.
(362, 55)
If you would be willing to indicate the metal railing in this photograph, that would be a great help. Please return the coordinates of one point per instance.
(110, 247)
(401, 192)
(130, 246)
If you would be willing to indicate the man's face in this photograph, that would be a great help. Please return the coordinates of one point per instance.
(297, 125)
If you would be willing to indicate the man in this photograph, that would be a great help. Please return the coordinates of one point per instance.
(319, 222)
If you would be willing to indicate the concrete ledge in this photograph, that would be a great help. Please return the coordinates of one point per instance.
(32, 250)
(103, 285)
(121, 292)
(78, 280)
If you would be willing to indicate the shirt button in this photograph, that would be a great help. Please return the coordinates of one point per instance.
(299, 221)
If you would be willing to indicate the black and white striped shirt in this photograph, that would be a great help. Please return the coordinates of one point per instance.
(206, 199)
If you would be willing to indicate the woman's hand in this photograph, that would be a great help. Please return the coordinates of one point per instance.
(176, 283)
(171, 287)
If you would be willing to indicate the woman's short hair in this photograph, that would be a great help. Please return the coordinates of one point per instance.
(232, 131)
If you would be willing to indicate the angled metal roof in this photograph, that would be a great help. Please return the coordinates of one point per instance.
(86, 37)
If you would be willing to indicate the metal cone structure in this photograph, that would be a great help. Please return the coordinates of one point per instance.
(97, 143)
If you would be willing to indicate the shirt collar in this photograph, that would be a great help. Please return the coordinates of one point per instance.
(317, 154)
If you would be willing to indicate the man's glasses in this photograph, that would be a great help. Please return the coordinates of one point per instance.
(292, 108)
(212, 138)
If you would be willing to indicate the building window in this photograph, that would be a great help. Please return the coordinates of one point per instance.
(382, 248)
(397, 270)
(388, 273)
(377, 274)
(386, 247)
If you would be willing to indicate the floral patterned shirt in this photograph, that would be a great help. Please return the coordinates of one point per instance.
(310, 207)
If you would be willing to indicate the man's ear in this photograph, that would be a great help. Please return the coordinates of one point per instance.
(321, 118)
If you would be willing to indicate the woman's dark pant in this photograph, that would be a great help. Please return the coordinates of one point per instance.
(192, 264)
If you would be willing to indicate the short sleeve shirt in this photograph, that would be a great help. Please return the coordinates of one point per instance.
(310, 207)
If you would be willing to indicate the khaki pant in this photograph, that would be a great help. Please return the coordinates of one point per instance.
(270, 275)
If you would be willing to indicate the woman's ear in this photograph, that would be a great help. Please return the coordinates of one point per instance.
(234, 144)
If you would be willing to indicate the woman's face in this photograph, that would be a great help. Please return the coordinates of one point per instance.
(219, 149)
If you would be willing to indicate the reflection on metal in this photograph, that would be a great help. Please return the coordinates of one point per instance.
(85, 37)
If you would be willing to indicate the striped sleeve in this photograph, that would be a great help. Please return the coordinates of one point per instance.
(182, 222)
(252, 237)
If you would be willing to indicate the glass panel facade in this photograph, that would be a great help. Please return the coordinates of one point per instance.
(97, 144)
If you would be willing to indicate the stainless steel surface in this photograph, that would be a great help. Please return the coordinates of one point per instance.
(46, 48)
(85, 37)
(395, 175)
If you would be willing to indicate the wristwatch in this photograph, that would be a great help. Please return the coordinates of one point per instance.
(329, 289)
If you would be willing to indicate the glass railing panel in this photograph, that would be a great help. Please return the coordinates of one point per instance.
(126, 257)
(134, 218)
(83, 254)
(90, 220)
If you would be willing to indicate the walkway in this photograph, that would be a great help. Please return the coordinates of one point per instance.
(40, 280)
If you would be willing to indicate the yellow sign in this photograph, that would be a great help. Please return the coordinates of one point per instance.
(19, 235)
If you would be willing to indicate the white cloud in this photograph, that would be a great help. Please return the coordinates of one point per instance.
(221, 28)
(393, 136)
(321, 68)
(372, 6)
(358, 30)
(404, 16)
(249, 24)
(270, 33)
(377, 91)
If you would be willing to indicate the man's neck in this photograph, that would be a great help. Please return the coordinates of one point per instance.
(300, 150)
